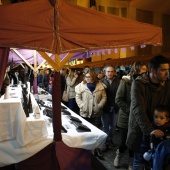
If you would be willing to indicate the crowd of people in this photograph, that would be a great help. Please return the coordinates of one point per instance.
(137, 102)
(101, 95)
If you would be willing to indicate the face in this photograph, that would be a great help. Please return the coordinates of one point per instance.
(109, 73)
(143, 69)
(100, 75)
(86, 69)
(88, 78)
(160, 118)
(161, 74)
(47, 72)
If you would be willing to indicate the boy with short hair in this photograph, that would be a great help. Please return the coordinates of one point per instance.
(160, 122)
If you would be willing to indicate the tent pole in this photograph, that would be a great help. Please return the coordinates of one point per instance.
(66, 59)
(49, 60)
(57, 61)
(40, 65)
(23, 59)
(22, 65)
(35, 61)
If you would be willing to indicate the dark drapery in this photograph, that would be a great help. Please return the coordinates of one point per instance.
(35, 90)
(44, 160)
(56, 101)
(4, 52)
(73, 158)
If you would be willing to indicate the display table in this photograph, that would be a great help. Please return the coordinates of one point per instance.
(75, 139)
(86, 140)
(12, 120)
(20, 137)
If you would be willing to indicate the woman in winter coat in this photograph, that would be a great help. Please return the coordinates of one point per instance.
(71, 82)
(123, 100)
(91, 98)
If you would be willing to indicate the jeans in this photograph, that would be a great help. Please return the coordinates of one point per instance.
(137, 165)
(108, 124)
(73, 105)
(96, 121)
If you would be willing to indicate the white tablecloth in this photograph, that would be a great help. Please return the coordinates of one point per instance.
(73, 138)
(20, 137)
(12, 120)
(86, 140)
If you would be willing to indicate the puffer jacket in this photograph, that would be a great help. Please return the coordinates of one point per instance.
(90, 104)
(145, 96)
(123, 101)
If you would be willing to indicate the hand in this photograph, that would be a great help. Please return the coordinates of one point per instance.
(157, 133)
(75, 75)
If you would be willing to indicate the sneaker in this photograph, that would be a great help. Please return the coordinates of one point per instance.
(130, 168)
(98, 153)
(117, 158)
(117, 128)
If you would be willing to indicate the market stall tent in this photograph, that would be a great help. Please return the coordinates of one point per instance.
(58, 27)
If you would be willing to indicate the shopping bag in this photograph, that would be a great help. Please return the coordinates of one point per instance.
(65, 96)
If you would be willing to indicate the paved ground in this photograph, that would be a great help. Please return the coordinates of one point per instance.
(109, 156)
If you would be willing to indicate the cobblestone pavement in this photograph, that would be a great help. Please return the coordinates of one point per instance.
(109, 156)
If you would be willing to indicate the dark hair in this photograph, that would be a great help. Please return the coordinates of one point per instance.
(163, 108)
(86, 67)
(49, 70)
(156, 61)
(137, 66)
(98, 71)
(108, 66)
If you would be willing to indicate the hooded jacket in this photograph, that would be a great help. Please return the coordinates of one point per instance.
(145, 96)
(90, 103)
(123, 101)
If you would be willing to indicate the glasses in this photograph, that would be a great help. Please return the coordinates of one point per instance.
(87, 77)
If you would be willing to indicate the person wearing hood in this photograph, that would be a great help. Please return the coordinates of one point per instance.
(123, 101)
(147, 91)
